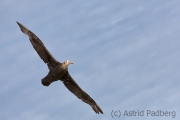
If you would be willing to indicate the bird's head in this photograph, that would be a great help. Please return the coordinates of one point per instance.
(67, 62)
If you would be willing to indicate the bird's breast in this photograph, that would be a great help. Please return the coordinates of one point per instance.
(59, 71)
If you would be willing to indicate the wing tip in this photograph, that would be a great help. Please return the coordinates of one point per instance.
(23, 28)
(97, 109)
(17, 22)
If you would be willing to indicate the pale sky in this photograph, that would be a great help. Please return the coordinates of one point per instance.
(126, 56)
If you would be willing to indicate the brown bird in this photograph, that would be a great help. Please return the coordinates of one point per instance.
(58, 70)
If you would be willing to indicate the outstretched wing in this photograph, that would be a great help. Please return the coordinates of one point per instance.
(77, 91)
(39, 47)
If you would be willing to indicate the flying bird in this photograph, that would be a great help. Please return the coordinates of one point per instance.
(58, 70)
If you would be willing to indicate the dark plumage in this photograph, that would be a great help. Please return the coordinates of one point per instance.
(58, 71)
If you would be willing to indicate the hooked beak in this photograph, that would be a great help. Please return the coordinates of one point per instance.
(70, 62)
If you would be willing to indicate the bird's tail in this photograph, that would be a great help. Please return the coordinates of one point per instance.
(96, 108)
(47, 80)
(23, 28)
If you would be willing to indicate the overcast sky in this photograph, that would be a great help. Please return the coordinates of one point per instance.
(126, 56)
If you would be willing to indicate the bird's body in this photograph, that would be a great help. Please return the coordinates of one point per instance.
(58, 71)
(55, 74)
